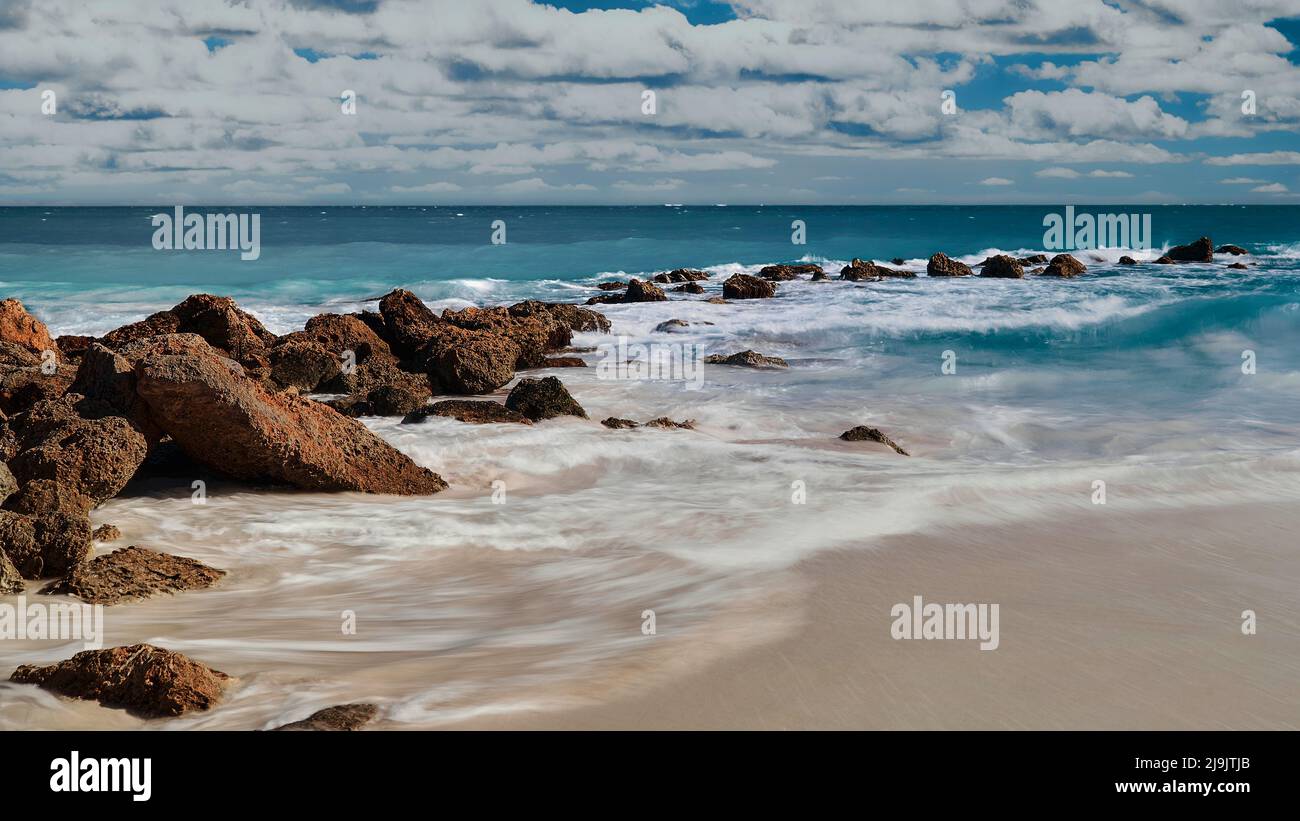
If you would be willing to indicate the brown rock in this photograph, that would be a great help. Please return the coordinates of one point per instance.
(339, 333)
(689, 288)
(108, 376)
(1200, 251)
(225, 327)
(545, 398)
(145, 680)
(159, 324)
(747, 359)
(665, 422)
(638, 291)
(1002, 267)
(612, 286)
(1164, 260)
(467, 410)
(1238, 265)
(862, 433)
(1064, 266)
(8, 484)
(72, 347)
(618, 424)
(1235, 250)
(783, 273)
(18, 327)
(409, 322)
(865, 271)
(77, 465)
(50, 544)
(574, 317)
(943, 265)
(11, 581)
(239, 428)
(303, 364)
(1127, 260)
(131, 574)
(106, 533)
(564, 362)
(744, 286)
(1034, 259)
(468, 362)
(681, 275)
(344, 717)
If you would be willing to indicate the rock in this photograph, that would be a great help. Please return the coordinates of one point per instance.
(612, 286)
(303, 364)
(77, 466)
(716, 300)
(8, 484)
(26, 380)
(1127, 260)
(608, 299)
(1034, 259)
(225, 327)
(374, 373)
(1200, 251)
(72, 347)
(49, 544)
(665, 422)
(744, 286)
(783, 273)
(108, 376)
(898, 261)
(339, 333)
(681, 275)
(574, 317)
(638, 291)
(1164, 260)
(618, 424)
(468, 362)
(747, 359)
(343, 717)
(564, 362)
(1235, 250)
(409, 322)
(689, 288)
(478, 412)
(131, 574)
(11, 581)
(941, 265)
(20, 328)
(1064, 266)
(159, 324)
(866, 271)
(106, 533)
(145, 680)
(1002, 267)
(545, 398)
(534, 333)
(237, 427)
(398, 399)
(671, 325)
(862, 433)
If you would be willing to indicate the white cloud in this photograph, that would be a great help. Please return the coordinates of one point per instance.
(1271, 188)
(1062, 173)
(1241, 181)
(997, 181)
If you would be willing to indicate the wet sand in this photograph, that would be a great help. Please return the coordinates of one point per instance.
(1107, 621)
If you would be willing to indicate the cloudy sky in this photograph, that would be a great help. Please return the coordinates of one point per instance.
(756, 101)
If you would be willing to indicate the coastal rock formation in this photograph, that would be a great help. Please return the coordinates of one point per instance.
(72, 347)
(11, 581)
(408, 321)
(865, 271)
(1034, 259)
(467, 410)
(49, 544)
(618, 424)
(747, 359)
(234, 333)
(1238, 265)
(1235, 250)
(1002, 267)
(862, 433)
(1064, 266)
(689, 288)
(783, 273)
(343, 717)
(398, 398)
(1127, 260)
(744, 286)
(616, 285)
(638, 291)
(563, 362)
(1164, 260)
(303, 364)
(665, 422)
(109, 377)
(25, 379)
(17, 327)
(544, 398)
(145, 680)
(1200, 251)
(241, 429)
(106, 533)
(468, 362)
(681, 275)
(8, 484)
(134, 573)
(941, 265)
(575, 318)
(77, 465)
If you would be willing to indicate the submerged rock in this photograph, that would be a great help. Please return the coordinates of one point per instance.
(665, 422)
(1064, 266)
(747, 359)
(941, 265)
(744, 286)
(612, 286)
(618, 424)
(689, 288)
(1164, 260)
(1127, 260)
(343, 717)
(864, 271)
(1200, 251)
(862, 433)
(134, 573)
(783, 273)
(1034, 259)
(145, 680)
(544, 398)
(1002, 267)
(681, 275)
(1235, 250)
(1238, 266)
(476, 412)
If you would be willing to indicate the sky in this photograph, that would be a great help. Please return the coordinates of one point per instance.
(754, 101)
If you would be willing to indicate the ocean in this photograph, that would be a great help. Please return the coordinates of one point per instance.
(1172, 386)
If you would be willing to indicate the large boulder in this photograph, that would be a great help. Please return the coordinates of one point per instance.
(134, 573)
(1002, 267)
(147, 681)
(50, 544)
(545, 398)
(18, 327)
(1200, 251)
(534, 334)
(744, 286)
(1064, 266)
(408, 321)
(575, 317)
(1235, 250)
(11, 581)
(217, 319)
(467, 362)
(107, 376)
(241, 429)
(638, 291)
(26, 378)
(339, 333)
(77, 466)
(303, 364)
(941, 265)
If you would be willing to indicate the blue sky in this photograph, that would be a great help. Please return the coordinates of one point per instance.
(762, 101)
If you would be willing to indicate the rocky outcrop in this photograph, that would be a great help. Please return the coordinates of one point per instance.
(783, 273)
(109, 377)
(1002, 267)
(240, 429)
(106, 533)
(638, 291)
(1235, 250)
(1202, 250)
(665, 422)
(304, 364)
(478, 412)
(545, 398)
(147, 681)
(343, 717)
(76, 465)
(134, 573)
(217, 319)
(689, 288)
(563, 362)
(575, 318)
(941, 265)
(8, 484)
(1064, 266)
(681, 275)
(407, 393)
(859, 270)
(467, 362)
(618, 424)
(617, 285)
(49, 544)
(26, 379)
(747, 359)
(408, 321)
(17, 327)
(744, 286)
(11, 581)
(1239, 266)
(1127, 260)
(1034, 259)
(862, 433)
(1164, 260)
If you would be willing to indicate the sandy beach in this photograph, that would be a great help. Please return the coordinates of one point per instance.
(1110, 621)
